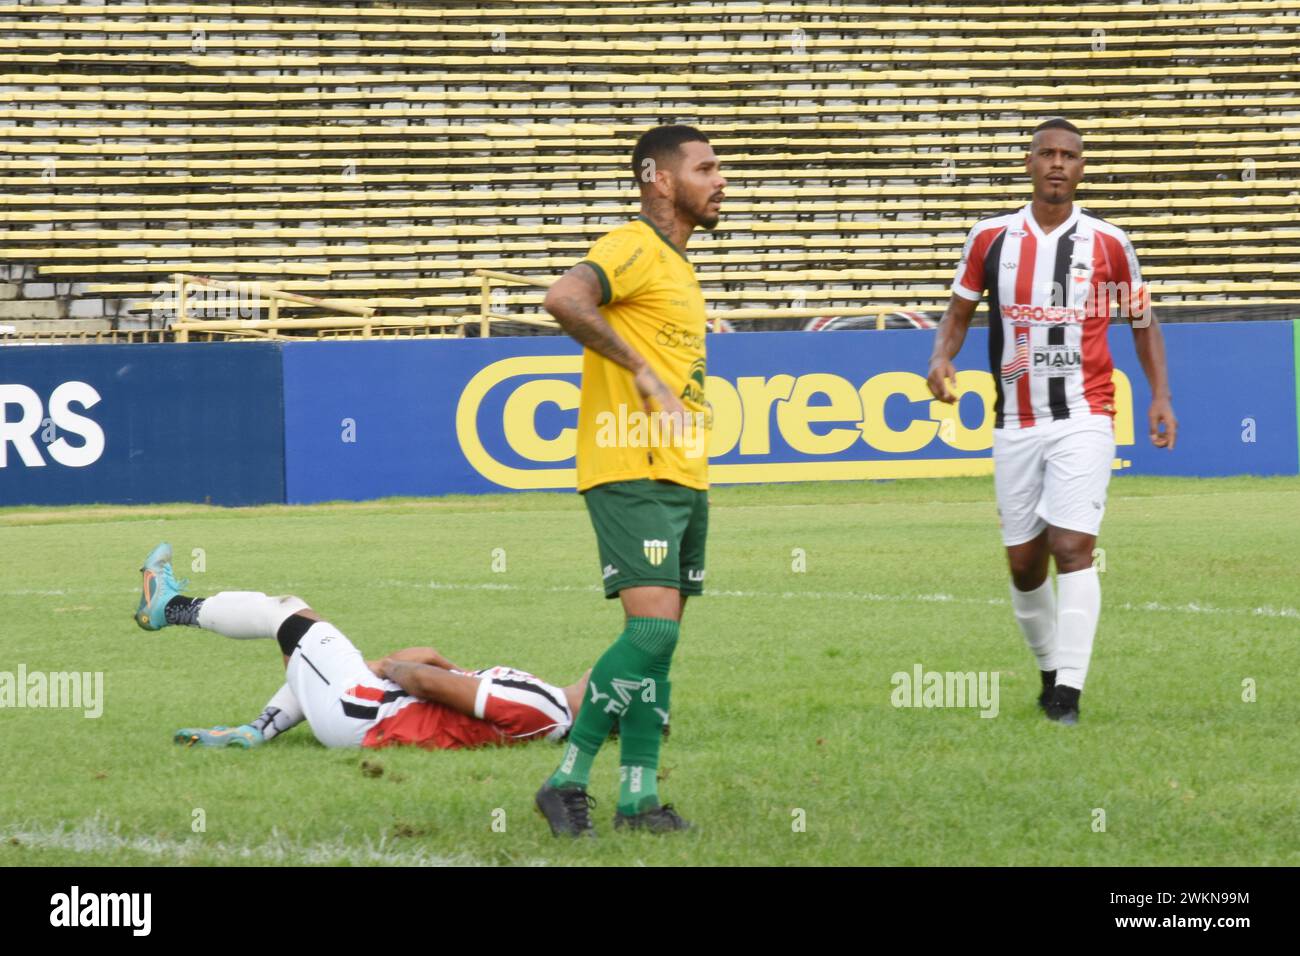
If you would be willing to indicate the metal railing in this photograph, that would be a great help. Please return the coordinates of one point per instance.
(485, 313)
(358, 319)
(715, 316)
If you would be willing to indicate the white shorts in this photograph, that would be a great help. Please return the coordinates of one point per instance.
(1054, 473)
(343, 701)
(324, 665)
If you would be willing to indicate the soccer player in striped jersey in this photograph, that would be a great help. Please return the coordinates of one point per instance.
(637, 308)
(413, 696)
(1052, 271)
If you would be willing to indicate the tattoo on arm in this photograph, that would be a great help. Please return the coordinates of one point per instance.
(574, 302)
(404, 673)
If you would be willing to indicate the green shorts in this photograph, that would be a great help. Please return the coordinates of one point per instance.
(649, 533)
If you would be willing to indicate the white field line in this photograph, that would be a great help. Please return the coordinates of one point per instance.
(179, 512)
(1192, 607)
(1115, 499)
(95, 836)
(1152, 607)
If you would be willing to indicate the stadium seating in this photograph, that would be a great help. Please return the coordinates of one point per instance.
(381, 153)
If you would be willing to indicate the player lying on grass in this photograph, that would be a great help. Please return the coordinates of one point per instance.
(412, 696)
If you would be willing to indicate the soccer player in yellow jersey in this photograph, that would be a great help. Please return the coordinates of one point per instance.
(643, 423)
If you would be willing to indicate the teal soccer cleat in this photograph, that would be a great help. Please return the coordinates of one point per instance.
(157, 588)
(245, 737)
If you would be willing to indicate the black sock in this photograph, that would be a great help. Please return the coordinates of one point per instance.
(1049, 679)
(184, 610)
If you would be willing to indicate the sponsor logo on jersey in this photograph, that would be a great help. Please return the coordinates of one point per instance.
(695, 574)
(675, 336)
(655, 551)
(609, 572)
(693, 390)
(1017, 233)
(1026, 316)
(627, 265)
(1014, 370)
(1056, 359)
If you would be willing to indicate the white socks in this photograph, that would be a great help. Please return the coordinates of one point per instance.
(247, 614)
(281, 713)
(1078, 607)
(1036, 614)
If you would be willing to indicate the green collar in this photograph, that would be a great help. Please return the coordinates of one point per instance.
(666, 240)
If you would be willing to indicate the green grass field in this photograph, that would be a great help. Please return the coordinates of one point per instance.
(781, 684)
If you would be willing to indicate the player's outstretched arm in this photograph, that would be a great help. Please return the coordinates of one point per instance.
(1149, 342)
(427, 682)
(574, 301)
(947, 343)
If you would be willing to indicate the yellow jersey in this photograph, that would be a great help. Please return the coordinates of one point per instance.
(651, 298)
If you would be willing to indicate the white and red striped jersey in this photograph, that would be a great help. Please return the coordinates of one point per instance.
(512, 706)
(1050, 298)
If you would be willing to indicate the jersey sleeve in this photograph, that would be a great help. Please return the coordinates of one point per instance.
(519, 709)
(623, 262)
(969, 279)
(1134, 296)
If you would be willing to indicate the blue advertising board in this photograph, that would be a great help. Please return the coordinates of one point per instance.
(240, 424)
(141, 423)
(366, 420)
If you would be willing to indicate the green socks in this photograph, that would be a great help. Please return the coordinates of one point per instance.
(575, 768)
(629, 683)
(640, 736)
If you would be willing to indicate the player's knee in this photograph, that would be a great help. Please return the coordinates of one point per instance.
(1028, 570)
(292, 604)
(1071, 551)
(1027, 578)
(650, 601)
(292, 629)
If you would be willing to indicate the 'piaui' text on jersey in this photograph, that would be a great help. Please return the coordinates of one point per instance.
(651, 298)
(1050, 297)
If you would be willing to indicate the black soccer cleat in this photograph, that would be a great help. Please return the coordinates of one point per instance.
(567, 810)
(1049, 685)
(1064, 705)
(662, 819)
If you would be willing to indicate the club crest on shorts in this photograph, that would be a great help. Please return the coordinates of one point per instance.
(655, 551)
